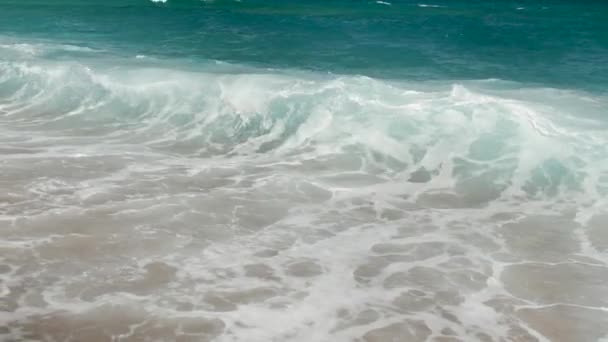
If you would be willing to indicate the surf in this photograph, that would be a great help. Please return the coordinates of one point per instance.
(453, 133)
(252, 171)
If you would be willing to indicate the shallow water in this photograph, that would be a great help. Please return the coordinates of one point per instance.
(246, 185)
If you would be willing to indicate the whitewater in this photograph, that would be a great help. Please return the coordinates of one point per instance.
(150, 197)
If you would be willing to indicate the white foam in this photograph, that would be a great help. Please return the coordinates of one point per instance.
(289, 206)
(429, 5)
(39, 49)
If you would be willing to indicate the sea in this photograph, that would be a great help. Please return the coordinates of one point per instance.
(303, 171)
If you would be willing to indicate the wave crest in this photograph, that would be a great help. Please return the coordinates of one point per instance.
(482, 140)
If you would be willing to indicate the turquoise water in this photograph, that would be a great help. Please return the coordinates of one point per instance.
(303, 171)
(552, 43)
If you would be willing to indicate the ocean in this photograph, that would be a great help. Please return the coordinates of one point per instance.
(338, 170)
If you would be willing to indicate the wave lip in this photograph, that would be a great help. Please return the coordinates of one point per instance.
(449, 130)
